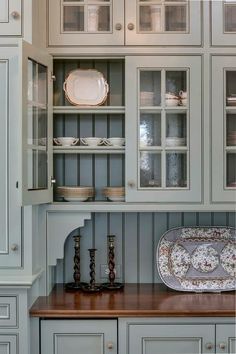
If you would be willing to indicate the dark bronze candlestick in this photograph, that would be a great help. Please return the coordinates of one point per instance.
(77, 283)
(111, 265)
(92, 287)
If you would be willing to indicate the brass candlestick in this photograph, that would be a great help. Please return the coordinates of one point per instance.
(77, 284)
(92, 286)
(112, 285)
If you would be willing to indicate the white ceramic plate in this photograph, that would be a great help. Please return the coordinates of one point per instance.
(86, 87)
(76, 199)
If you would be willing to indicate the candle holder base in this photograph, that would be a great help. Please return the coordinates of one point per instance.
(114, 286)
(91, 289)
(74, 286)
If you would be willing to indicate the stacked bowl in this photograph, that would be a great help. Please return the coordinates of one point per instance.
(231, 138)
(75, 194)
(114, 194)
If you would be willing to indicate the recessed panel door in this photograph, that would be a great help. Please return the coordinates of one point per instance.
(10, 17)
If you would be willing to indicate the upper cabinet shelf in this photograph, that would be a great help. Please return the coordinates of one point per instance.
(124, 22)
(88, 109)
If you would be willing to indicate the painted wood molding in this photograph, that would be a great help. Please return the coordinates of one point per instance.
(59, 226)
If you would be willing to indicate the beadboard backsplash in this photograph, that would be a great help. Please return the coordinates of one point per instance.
(137, 236)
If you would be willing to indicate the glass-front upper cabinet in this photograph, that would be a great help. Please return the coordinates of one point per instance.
(223, 22)
(10, 17)
(163, 22)
(163, 129)
(36, 68)
(86, 22)
(223, 129)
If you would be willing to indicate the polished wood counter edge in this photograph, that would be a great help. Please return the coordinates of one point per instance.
(135, 300)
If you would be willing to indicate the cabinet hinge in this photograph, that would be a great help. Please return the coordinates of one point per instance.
(53, 77)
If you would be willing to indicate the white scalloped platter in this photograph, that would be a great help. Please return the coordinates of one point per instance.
(86, 87)
(198, 259)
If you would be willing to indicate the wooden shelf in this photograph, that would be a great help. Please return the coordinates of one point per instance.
(88, 109)
(88, 150)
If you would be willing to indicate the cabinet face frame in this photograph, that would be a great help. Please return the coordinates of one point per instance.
(28, 52)
(56, 37)
(192, 37)
(193, 193)
(218, 36)
(11, 25)
(219, 193)
(225, 336)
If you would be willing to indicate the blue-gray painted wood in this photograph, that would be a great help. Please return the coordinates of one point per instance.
(137, 236)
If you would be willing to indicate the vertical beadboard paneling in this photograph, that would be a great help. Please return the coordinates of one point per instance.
(101, 232)
(130, 248)
(137, 236)
(145, 247)
(160, 226)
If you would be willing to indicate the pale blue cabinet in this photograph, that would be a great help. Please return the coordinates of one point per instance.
(223, 22)
(169, 339)
(8, 344)
(79, 337)
(225, 339)
(10, 17)
(10, 211)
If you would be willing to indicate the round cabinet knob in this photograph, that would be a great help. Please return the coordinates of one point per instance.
(131, 184)
(209, 346)
(118, 26)
(15, 15)
(222, 346)
(130, 26)
(53, 180)
(14, 247)
(110, 345)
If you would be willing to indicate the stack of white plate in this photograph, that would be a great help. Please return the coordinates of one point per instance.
(146, 98)
(175, 141)
(231, 101)
(231, 138)
(75, 194)
(114, 194)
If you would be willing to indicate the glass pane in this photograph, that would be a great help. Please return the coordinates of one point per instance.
(42, 85)
(231, 170)
(98, 18)
(176, 88)
(32, 81)
(150, 88)
(176, 18)
(231, 88)
(230, 18)
(231, 129)
(150, 18)
(150, 130)
(176, 169)
(73, 20)
(150, 169)
(37, 169)
(176, 129)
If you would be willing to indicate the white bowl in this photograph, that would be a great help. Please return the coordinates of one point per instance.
(114, 141)
(172, 102)
(66, 141)
(91, 141)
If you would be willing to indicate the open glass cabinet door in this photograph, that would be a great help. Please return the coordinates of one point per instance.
(36, 90)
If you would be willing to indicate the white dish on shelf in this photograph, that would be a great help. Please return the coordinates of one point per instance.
(86, 87)
(76, 199)
(65, 141)
(118, 142)
(116, 199)
(92, 141)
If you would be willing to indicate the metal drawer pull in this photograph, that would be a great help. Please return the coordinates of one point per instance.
(14, 247)
(15, 15)
(209, 346)
(130, 26)
(110, 345)
(118, 26)
(222, 346)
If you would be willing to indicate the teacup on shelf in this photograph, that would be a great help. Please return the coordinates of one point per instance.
(92, 141)
(66, 141)
(183, 98)
(171, 99)
(114, 141)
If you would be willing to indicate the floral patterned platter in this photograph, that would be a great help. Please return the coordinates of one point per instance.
(198, 259)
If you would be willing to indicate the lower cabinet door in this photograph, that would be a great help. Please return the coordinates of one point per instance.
(171, 339)
(8, 344)
(226, 338)
(78, 337)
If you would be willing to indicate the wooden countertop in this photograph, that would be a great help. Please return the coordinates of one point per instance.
(135, 300)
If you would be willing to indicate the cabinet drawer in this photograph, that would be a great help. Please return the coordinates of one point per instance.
(8, 311)
(8, 344)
